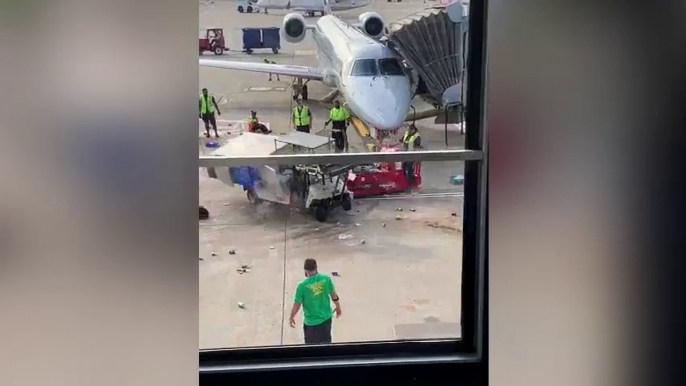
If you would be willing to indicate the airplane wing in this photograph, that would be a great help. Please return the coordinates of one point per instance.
(281, 69)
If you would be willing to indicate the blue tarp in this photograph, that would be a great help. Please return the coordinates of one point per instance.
(261, 38)
(271, 37)
(252, 38)
(246, 176)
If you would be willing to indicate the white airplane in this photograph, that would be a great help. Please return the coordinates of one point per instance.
(365, 72)
(311, 6)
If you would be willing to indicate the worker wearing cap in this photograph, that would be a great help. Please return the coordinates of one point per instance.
(411, 141)
(302, 117)
(341, 119)
(207, 106)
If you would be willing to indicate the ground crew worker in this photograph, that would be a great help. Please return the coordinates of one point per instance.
(341, 119)
(411, 141)
(302, 116)
(270, 75)
(313, 294)
(207, 106)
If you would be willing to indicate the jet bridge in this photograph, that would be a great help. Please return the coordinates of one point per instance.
(433, 43)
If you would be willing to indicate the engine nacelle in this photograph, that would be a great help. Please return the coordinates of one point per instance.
(372, 24)
(294, 28)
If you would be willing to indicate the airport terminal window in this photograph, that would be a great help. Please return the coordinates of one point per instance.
(364, 67)
(260, 229)
(390, 67)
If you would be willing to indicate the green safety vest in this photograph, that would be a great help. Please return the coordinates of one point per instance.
(410, 140)
(338, 114)
(302, 119)
(252, 120)
(206, 105)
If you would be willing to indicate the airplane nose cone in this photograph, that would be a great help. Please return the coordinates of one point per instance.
(383, 102)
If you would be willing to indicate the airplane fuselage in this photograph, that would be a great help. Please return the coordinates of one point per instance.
(367, 73)
(311, 5)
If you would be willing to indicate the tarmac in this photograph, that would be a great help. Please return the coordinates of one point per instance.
(401, 282)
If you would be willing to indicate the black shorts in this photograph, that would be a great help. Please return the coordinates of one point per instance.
(209, 119)
(317, 334)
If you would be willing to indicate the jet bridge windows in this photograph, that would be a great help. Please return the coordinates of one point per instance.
(390, 66)
(364, 67)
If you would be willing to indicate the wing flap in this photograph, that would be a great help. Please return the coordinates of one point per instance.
(267, 68)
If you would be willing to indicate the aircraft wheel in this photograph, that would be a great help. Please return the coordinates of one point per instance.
(249, 9)
(321, 213)
(240, 9)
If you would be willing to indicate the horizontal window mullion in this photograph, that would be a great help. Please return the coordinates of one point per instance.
(342, 158)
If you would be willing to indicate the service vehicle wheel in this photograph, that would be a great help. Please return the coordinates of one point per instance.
(204, 213)
(321, 213)
(249, 9)
(275, 50)
(240, 9)
(346, 202)
(218, 50)
(252, 196)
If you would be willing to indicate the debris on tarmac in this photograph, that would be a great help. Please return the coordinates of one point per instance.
(454, 214)
(335, 273)
(201, 259)
(363, 242)
(399, 209)
(241, 305)
(345, 236)
(398, 218)
(316, 229)
(232, 251)
(413, 210)
(383, 225)
(358, 224)
(271, 247)
(214, 253)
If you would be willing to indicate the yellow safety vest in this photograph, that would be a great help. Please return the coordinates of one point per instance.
(409, 141)
(302, 118)
(252, 120)
(338, 114)
(206, 105)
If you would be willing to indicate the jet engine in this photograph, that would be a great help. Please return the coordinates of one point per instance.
(372, 24)
(294, 28)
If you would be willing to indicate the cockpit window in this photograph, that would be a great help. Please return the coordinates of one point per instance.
(364, 67)
(390, 66)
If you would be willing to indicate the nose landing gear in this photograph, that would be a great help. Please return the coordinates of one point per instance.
(300, 89)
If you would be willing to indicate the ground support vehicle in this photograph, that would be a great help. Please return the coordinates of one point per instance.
(318, 188)
(213, 41)
(382, 177)
(260, 38)
(248, 6)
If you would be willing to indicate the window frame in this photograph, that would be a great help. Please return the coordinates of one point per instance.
(356, 62)
(400, 67)
(471, 349)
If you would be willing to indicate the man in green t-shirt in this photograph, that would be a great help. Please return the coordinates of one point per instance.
(313, 295)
